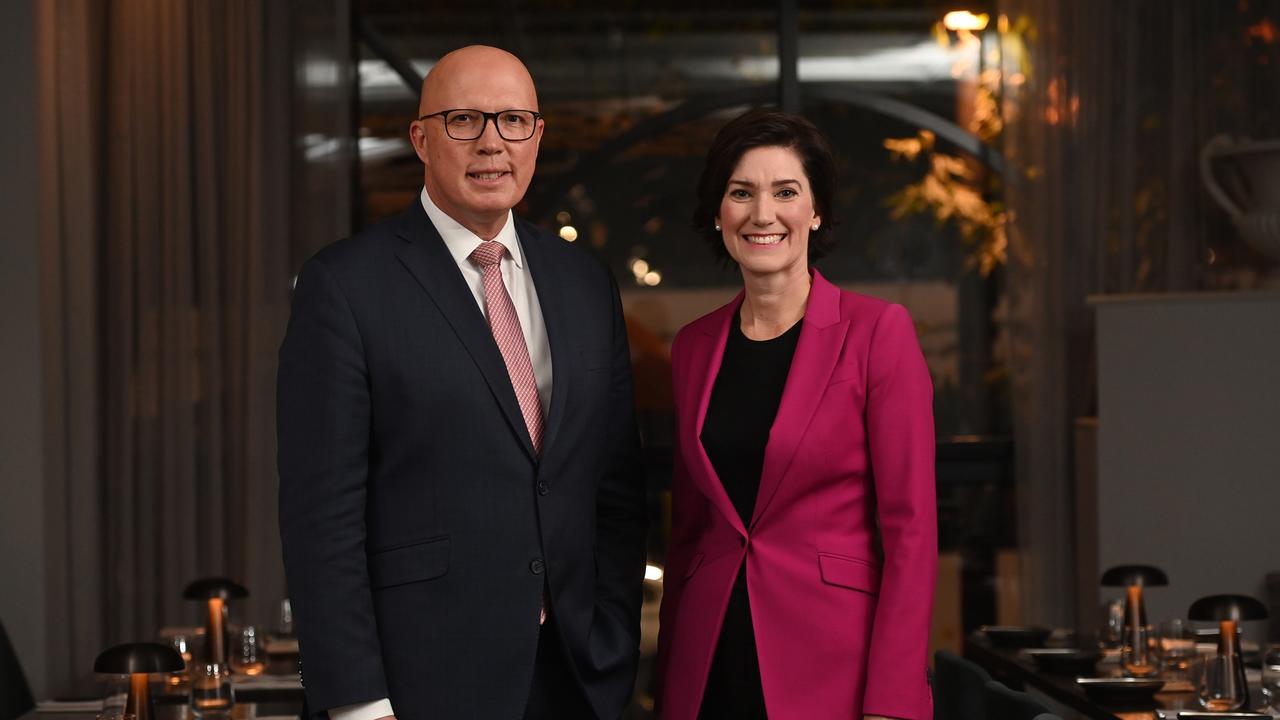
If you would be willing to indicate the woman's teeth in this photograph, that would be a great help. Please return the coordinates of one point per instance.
(765, 239)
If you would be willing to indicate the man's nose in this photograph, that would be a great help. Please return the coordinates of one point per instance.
(490, 142)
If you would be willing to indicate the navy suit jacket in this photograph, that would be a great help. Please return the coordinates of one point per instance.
(418, 525)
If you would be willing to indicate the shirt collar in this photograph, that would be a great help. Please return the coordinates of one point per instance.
(461, 242)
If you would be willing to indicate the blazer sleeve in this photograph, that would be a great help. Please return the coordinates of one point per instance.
(688, 516)
(901, 442)
(323, 431)
(620, 515)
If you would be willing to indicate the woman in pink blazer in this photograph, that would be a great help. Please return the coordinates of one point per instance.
(799, 581)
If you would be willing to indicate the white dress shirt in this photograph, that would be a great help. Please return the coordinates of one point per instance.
(515, 275)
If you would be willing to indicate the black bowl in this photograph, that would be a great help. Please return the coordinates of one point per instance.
(1120, 689)
(1015, 636)
(1065, 661)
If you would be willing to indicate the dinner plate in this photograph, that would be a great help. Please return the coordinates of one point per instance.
(1018, 636)
(1065, 661)
(1120, 689)
(1206, 715)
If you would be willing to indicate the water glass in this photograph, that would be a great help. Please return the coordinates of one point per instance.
(1109, 635)
(1271, 680)
(1138, 655)
(1177, 646)
(247, 654)
(211, 692)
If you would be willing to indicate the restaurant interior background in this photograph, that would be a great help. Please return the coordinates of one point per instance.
(1069, 196)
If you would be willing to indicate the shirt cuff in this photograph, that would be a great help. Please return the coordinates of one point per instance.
(362, 711)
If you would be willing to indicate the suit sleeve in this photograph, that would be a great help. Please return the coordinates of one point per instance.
(901, 440)
(688, 516)
(323, 422)
(621, 523)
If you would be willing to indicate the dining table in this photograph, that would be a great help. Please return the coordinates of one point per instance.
(274, 694)
(1017, 670)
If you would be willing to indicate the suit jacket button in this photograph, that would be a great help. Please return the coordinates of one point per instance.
(536, 566)
(543, 487)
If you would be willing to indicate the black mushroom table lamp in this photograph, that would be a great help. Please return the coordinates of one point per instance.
(215, 591)
(1135, 659)
(1225, 687)
(138, 660)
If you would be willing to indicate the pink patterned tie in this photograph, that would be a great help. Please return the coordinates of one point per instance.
(505, 325)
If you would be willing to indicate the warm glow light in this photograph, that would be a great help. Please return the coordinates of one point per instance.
(653, 573)
(639, 267)
(569, 232)
(562, 217)
(653, 277)
(964, 20)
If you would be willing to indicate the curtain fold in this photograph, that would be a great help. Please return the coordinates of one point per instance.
(167, 273)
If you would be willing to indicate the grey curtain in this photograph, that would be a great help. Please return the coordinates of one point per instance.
(1104, 133)
(165, 280)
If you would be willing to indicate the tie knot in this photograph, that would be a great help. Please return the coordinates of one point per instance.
(489, 252)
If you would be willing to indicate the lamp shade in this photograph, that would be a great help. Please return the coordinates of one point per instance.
(1126, 575)
(1217, 608)
(214, 587)
(133, 658)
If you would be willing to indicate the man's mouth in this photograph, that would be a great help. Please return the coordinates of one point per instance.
(488, 175)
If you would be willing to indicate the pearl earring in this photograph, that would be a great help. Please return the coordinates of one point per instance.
(815, 227)
(717, 227)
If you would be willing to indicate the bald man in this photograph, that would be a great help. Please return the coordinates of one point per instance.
(461, 506)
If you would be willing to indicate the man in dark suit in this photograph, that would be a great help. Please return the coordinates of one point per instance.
(461, 504)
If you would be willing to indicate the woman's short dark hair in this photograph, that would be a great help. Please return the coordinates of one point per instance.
(767, 128)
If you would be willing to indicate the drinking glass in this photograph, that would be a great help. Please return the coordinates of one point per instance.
(1112, 628)
(211, 692)
(1271, 680)
(1138, 655)
(247, 654)
(1177, 645)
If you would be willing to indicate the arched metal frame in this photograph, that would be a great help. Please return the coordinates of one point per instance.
(789, 93)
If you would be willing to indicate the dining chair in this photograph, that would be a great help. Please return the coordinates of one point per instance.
(15, 693)
(1006, 704)
(959, 688)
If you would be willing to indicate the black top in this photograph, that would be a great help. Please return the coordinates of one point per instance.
(743, 404)
(744, 401)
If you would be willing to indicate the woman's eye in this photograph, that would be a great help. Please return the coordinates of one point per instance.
(739, 194)
(787, 193)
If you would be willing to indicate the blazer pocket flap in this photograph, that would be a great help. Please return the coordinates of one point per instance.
(850, 572)
(409, 563)
(694, 563)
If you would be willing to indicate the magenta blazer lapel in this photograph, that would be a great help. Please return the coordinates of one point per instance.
(711, 349)
(818, 348)
(817, 351)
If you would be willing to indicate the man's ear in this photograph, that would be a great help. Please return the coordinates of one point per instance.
(418, 137)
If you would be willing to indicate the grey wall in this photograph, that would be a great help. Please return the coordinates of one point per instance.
(22, 557)
(1189, 442)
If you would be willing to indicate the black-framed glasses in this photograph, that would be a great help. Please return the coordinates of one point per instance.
(469, 124)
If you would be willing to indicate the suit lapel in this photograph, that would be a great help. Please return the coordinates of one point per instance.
(425, 256)
(711, 352)
(548, 279)
(817, 350)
